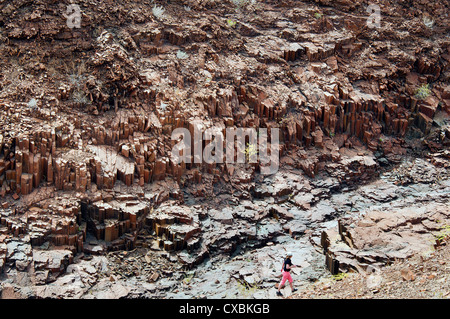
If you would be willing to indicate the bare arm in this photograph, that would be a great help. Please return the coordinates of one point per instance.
(291, 266)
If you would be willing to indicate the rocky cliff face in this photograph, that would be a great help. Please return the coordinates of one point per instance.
(87, 112)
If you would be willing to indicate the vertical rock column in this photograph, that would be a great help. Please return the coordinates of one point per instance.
(32, 155)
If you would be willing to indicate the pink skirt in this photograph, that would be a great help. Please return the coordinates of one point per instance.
(286, 276)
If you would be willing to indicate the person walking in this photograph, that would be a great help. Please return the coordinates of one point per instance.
(286, 271)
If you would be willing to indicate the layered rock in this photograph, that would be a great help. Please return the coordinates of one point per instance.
(381, 237)
(86, 163)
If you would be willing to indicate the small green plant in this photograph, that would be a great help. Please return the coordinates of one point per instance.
(443, 235)
(247, 290)
(332, 134)
(187, 278)
(286, 119)
(423, 92)
(231, 23)
(318, 15)
(283, 121)
(250, 151)
(340, 276)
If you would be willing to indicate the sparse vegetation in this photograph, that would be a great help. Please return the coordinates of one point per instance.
(231, 23)
(181, 55)
(318, 15)
(443, 235)
(188, 277)
(77, 80)
(287, 118)
(246, 290)
(423, 92)
(340, 276)
(250, 151)
(158, 12)
(80, 97)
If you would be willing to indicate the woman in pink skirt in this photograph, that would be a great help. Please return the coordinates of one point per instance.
(286, 270)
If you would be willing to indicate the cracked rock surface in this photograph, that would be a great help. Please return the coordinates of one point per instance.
(93, 204)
